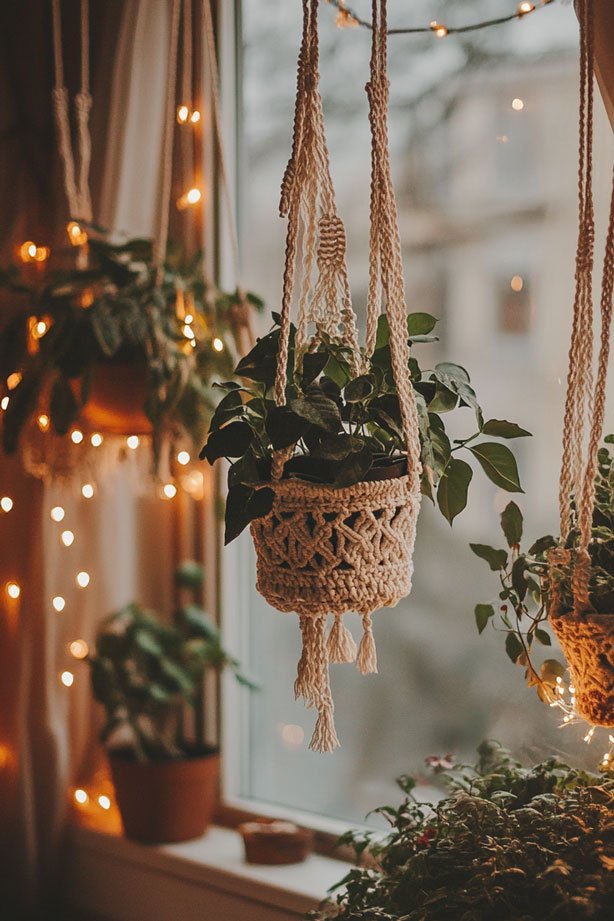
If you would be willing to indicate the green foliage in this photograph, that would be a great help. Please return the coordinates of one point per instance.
(129, 319)
(144, 670)
(525, 576)
(342, 429)
(506, 844)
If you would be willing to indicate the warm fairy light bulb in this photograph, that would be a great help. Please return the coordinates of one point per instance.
(183, 458)
(517, 283)
(67, 538)
(39, 329)
(133, 442)
(57, 513)
(76, 437)
(4, 402)
(27, 251)
(517, 104)
(218, 344)
(76, 234)
(170, 490)
(6, 503)
(104, 802)
(83, 579)
(79, 649)
(188, 332)
(183, 113)
(195, 117)
(87, 491)
(58, 603)
(43, 422)
(13, 590)
(191, 197)
(13, 380)
(188, 318)
(525, 7)
(67, 678)
(81, 797)
(439, 29)
(96, 440)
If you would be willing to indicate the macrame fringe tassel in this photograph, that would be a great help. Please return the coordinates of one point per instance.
(366, 659)
(313, 684)
(341, 645)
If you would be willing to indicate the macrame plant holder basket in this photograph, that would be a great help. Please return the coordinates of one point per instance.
(586, 637)
(325, 550)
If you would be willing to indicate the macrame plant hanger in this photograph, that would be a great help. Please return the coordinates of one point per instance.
(76, 181)
(325, 550)
(587, 638)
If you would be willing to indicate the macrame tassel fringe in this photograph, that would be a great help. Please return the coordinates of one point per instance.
(341, 645)
(312, 682)
(366, 659)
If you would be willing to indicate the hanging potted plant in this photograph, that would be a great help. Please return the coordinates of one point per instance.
(110, 350)
(537, 588)
(503, 843)
(331, 442)
(144, 672)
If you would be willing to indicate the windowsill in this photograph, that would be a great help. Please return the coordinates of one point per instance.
(122, 880)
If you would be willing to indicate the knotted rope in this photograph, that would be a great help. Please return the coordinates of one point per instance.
(585, 399)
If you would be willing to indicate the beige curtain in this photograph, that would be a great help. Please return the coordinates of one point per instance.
(126, 542)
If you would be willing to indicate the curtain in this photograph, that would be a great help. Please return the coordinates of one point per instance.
(125, 538)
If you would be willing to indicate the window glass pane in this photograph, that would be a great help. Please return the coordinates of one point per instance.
(486, 194)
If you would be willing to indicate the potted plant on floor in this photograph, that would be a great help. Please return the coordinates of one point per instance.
(536, 589)
(144, 672)
(506, 843)
(113, 349)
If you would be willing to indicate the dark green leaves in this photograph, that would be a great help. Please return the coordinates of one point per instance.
(354, 467)
(501, 428)
(496, 559)
(511, 524)
(244, 504)
(319, 410)
(453, 488)
(513, 646)
(499, 465)
(284, 426)
(483, 613)
(231, 441)
(358, 389)
(260, 364)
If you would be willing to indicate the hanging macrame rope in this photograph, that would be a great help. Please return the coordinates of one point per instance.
(385, 261)
(161, 239)
(76, 184)
(585, 401)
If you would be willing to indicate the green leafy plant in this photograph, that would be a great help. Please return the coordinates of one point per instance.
(144, 671)
(522, 609)
(506, 844)
(114, 311)
(343, 429)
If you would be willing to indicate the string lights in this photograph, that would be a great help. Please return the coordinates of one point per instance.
(347, 17)
(563, 698)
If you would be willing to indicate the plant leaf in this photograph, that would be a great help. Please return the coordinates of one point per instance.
(319, 410)
(354, 468)
(499, 465)
(453, 488)
(231, 441)
(501, 428)
(358, 389)
(419, 324)
(496, 559)
(284, 427)
(511, 524)
(513, 646)
(244, 504)
(483, 613)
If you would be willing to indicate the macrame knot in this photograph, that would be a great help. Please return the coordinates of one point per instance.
(83, 104)
(331, 250)
(287, 184)
(366, 660)
(341, 645)
(580, 581)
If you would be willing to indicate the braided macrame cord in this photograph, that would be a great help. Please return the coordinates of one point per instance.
(324, 550)
(587, 639)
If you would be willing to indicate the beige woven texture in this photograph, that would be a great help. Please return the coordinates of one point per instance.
(586, 639)
(324, 550)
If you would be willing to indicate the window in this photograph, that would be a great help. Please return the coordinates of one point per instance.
(440, 686)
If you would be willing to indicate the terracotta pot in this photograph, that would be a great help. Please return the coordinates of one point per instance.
(272, 842)
(117, 396)
(165, 801)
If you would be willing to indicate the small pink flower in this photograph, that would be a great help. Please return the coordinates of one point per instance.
(439, 763)
(426, 837)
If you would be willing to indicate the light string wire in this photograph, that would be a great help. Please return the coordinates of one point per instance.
(348, 17)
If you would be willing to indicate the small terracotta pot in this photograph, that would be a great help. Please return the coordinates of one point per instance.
(165, 801)
(117, 397)
(273, 842)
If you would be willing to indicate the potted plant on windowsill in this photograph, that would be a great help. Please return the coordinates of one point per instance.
(144, 672)
(111, 348)
(536, 588)
(506, 843)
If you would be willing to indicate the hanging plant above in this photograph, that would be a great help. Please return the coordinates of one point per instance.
(344, 429)
(109, 349)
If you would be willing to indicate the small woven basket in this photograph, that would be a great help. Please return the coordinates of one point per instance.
(587, 641)
(323, 549)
